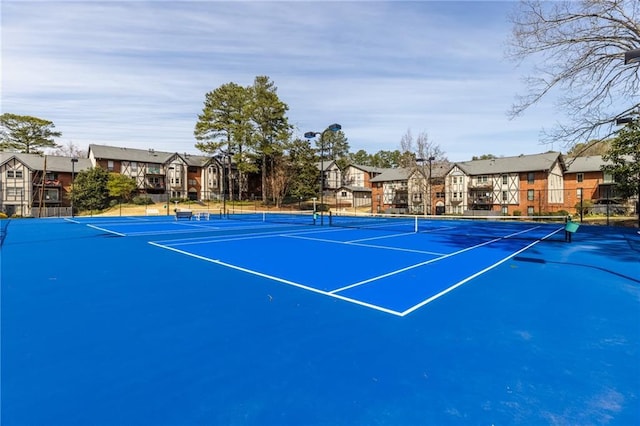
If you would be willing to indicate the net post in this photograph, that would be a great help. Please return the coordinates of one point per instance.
(415, 224)
(330, 218)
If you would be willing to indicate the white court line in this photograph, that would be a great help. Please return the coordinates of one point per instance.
(349, 243)
(469, 278)
(417, 265)
(378, 238)
(106, 230)
(281, 280)
(359, 302)
(224, 238)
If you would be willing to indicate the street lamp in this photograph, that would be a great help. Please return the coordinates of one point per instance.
(167, 188)
(225, 155)
(632, 57)
(310, 135)
(74, 160)
(430, 183)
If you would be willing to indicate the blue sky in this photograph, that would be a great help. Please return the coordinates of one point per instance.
(135, 73)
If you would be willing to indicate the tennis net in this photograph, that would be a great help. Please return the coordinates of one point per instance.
(295, 218)
(519, 227)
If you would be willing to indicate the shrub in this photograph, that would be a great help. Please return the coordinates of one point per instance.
(3, 215)
(142, 200)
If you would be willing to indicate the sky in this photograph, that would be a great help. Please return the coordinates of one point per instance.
(135, 73)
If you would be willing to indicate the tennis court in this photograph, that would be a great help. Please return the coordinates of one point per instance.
(261, 319)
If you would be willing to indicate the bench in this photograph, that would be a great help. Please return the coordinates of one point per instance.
(152, 211)
(184, 214)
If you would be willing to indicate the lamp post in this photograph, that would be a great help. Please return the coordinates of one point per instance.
(309, 135)
(225, 155)
(430, 183)
(74, 160)
(168, 189)
(632, 57)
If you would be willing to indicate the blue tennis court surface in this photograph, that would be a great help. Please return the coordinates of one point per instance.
(157, 321)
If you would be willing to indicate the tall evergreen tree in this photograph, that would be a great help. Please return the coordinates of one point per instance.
(224, 125)
(26, 134)
(624, 155)
(270, 125)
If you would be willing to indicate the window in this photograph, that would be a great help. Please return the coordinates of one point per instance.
(134, 166)
(192, 182)
(110, 165)
(608, 178)
(454, 179)
(530, 211)
(14, 192)
(531, 177)
(439, 194)
(580, 177)
(505, 210)
(579, 193)
(14, 174)
(504, 196)
(483, 179)
(10, 174)
(343, 194)
(51, 195)
(505, 179)
(530, 195)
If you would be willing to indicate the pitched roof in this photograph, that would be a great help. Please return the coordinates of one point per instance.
(129, 154)
(521, 163)
(389, 175)
(369, 169)
(352, 188)
(54, 163)
(585, 164)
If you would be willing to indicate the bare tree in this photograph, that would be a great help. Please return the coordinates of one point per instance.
(70, 150)
(419, 156)
(579, 49)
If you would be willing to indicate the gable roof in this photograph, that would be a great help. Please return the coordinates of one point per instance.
(585, 164)
(105, 152)
(352, 188)
(54, 163)
(389, 175)
(368, 169)
(521, 163)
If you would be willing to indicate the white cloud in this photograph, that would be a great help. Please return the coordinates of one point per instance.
(136, 72)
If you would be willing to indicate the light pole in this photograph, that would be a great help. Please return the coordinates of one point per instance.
(632, 57)
(74, 160)
(430, 183)
(225, 155)
(310, 135)
(167, 188)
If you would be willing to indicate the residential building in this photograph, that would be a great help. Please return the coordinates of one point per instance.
(586, 184)
(331, 173)
(390, 191)
(526, 184)
(36, 185)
